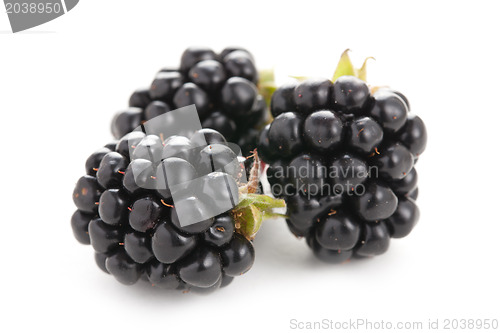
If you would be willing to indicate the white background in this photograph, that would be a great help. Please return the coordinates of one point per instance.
(61, 82)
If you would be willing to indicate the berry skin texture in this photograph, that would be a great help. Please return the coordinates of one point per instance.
(100, 260)
(394, 162)
(414, 137)
(113, 206)
(308, 173)
(350, 94)
(138, 247)
(169, 245)
(163, 276)
(240, 63)
(405, 185)
(132, 139)
(343, 159)
(402, 222)
(202, 268)
(304, 211)
(348, 172)
(223, 87)
(86, 194)
(189, 94)
(103, 237)
(165, 85)
(193, 55)
(140, 98)
(80, 225)
(155, 109)
(389, 110)
(220, 232)
(377, 203)
(364, 135)
(326, 255)
(312, 94)
(123, 268)
(238, 95)
(144, 214)
(138, 176)
(285, 134)
(338, 232)
(208, 74)
(323, 130)
(238, 256)
(223, 123)
(111, 170)
(126, 121)
(92, 163)
(282, 100)
(230, 49)
(197, 209)
(134, 228)
(375, 240)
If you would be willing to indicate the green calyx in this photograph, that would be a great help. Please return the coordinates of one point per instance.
(252, 211)
(254, 208)
(345, 67)
(266, 85)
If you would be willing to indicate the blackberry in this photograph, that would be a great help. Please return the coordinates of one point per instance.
(222, 86)
(127, 212)
(342, 156)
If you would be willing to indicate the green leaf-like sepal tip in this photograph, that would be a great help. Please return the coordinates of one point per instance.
(299, 78)
(254, 208)
(266, 85)
(345, 67)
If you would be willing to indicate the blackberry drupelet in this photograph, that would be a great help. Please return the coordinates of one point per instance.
(126, 211)
(342, 156)
(222, 86)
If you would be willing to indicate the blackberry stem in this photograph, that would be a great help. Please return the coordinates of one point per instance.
(254, 208)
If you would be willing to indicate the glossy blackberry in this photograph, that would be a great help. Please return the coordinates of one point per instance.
(126, 213)
(343, 159)
(222, 86)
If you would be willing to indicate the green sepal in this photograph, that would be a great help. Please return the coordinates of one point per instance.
(252, 210)
(345, 67)
(299, 78)
(266, 85)
(361, 72)
(260, 200)
(248, 221)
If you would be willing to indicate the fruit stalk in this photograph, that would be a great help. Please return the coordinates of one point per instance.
(254, 208)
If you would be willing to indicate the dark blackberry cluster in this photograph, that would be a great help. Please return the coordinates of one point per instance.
(343, 159)
(222, 86)
(125, 211)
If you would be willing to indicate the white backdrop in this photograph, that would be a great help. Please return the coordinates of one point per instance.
(61, 82)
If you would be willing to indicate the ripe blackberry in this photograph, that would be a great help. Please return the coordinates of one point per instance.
(342, 156)
(127, 213)
(222, 86)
